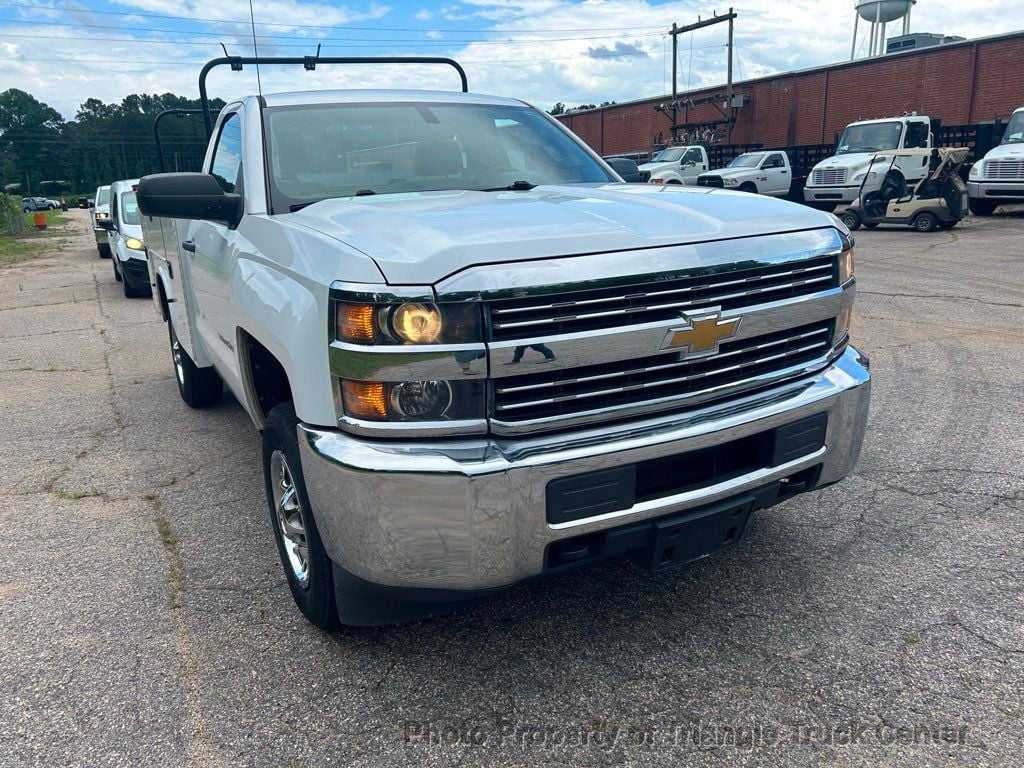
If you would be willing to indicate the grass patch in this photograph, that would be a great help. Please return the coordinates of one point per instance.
(33, 243)
(76, 495)
(53, 217)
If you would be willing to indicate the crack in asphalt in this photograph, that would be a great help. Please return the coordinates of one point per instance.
(940, 296)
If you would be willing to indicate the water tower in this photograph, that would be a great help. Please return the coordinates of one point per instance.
(878, 14)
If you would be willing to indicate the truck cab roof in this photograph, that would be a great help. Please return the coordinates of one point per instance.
(378, 96)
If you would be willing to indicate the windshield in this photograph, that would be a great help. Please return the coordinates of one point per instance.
(1014, 129)
(130, 209)
(319, 152)
(746, 161)
(870, 138)
(669, 155)
(102, 195)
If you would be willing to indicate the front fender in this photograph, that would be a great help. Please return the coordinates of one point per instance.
(288, 317)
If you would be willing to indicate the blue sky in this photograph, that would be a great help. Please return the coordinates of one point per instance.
(543, 51)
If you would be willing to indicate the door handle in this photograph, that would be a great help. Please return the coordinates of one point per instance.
(785, 171)
(189, 246)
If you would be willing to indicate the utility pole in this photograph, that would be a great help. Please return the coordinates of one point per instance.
(728, 87)
(700, 24)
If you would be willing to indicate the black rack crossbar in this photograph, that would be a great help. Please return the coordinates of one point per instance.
(156, 129)
(309, 63)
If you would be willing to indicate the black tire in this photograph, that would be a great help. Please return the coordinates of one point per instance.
(199, 387)
(132, 293)
(871, 224)
(948, 224)
(925, 222)
(677, 182)
(314, 595)
(117, 272)
(749, 188)
(851, 219)
(104, 250)
(982, 207)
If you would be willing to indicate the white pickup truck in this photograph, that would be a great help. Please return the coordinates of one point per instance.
(676, 165)
(476, 357)
(766, 173)
(999, 177)
(838, 179)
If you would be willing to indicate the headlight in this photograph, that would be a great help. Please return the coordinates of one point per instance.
(730, 182)
(416, 323)
(845, 266)
(411, 322)
(976, 170)
(860, 176)
(657, 181)
(412, 401)
(135, 245)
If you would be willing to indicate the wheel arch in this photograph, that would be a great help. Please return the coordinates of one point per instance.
(265, 379)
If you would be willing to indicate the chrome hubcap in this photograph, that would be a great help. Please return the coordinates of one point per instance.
(179, 368)
(289, 517)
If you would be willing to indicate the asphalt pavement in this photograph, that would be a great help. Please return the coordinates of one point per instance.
(145, 620)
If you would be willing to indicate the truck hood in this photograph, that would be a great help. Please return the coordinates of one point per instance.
(655, 167)
(421, 238)
(1006, 152)
(854, 162)
(729, 173)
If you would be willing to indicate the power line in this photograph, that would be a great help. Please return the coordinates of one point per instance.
(191, 64)
(304, 26)
(346, 40)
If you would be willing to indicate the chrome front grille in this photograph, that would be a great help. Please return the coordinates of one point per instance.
(585, 310)
(740, 365)
(710, 181)
(828, 177)
(1004, 170)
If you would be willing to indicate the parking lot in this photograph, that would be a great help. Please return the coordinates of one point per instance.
(144, 617)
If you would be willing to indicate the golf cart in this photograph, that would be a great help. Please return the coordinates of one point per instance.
(938, 200)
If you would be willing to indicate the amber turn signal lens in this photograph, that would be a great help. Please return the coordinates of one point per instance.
(364, 399)
(355, 322)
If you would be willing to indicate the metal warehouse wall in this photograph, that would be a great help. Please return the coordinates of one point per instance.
(970, 82)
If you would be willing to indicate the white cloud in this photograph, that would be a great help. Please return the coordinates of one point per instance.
(542, 66)
(423, 15)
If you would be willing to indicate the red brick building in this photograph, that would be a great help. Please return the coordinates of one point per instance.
(960, 83)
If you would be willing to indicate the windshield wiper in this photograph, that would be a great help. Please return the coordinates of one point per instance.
(300, 206)
(515, 186)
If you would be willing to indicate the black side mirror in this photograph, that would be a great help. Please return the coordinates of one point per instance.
(627, 169)
(188, 196)
(107, 224)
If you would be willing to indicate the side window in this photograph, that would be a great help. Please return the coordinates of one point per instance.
(775, 161)
(917, 136)
(693, 156)
(227, 158)
(114, 201)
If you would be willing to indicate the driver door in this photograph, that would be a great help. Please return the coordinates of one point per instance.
(211, 249)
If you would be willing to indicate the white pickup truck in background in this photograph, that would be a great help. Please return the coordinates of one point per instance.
(676, 165)
(477, 357)
(838, 179)
(998, 178)
(765, 173)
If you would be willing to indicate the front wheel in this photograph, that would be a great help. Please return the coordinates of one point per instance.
(982, 207)
(851, 219)
(199, 387)
(925, 222)
(307, 567)
(749, 188)
(104, 250)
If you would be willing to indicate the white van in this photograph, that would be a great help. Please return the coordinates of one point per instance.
(127, 247)
(838, 179)
(100, 212)
(999, 177)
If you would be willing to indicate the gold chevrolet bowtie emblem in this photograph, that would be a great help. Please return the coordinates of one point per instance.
(701, 336)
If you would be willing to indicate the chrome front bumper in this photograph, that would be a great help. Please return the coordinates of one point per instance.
(1009, 190)
(471, 514)
(835, 195)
